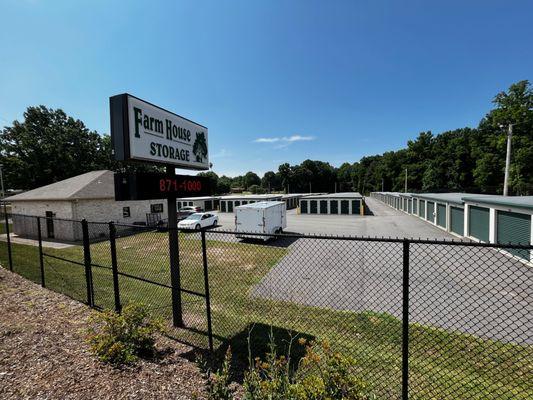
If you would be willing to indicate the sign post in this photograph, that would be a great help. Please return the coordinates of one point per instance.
(141, 131)
(173, 247)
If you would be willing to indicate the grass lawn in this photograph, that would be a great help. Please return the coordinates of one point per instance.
(443, 365)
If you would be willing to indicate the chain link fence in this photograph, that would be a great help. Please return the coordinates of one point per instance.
(424, 319)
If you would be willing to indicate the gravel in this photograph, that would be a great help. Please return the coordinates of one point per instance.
(43, 354)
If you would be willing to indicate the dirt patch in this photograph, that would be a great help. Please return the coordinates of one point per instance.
(43, 353)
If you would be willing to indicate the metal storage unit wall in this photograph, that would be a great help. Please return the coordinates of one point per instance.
(313, 206)
(457, 220)
(513, 227)
(422, 208)
(430, 211)
(479, 222)
(292, 200)
(441, 215)
(345, 207)
(333, 203)
(227, 203)
(356, 206)
(334, 206)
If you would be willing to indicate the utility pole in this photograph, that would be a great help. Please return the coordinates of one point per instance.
(310, 191)
(335, 187)
(507, 160)
(382, 184)
(405, 190)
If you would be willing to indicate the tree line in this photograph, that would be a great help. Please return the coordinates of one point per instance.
(460, 160)
(49, 146)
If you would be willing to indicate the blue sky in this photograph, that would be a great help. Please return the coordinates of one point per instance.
(274, 81)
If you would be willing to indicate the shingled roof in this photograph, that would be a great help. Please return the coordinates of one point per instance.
(91, 185)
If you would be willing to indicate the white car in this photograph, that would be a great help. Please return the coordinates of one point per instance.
(197, 221)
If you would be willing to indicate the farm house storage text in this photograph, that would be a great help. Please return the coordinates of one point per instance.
(142, 131)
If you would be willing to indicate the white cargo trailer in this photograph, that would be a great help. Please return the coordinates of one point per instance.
(261, 217)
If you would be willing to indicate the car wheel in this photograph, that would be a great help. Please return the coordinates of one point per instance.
(197, 227)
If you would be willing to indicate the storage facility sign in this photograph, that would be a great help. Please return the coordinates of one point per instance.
(145, 132)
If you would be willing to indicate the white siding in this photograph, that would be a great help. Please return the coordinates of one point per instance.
(63, 230)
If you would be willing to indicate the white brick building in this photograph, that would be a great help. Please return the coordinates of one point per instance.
(89, 196)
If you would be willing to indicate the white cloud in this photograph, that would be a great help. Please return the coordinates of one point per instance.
(285, 139)
(223, 153)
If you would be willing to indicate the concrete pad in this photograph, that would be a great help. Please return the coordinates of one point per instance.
(34, 242)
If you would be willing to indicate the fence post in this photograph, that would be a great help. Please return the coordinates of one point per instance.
(114, 265)
(405, 321)
(207, 296)
(9, 256)
(41, 260)
(87, 262)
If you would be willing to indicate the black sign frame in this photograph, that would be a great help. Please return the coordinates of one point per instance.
(120, 131)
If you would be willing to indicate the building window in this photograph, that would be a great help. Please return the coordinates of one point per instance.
(126, 212)
(156, 208)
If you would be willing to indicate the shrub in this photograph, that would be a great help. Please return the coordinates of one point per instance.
(323, 374)
(121, 338)
(219, 382)
(327, 374)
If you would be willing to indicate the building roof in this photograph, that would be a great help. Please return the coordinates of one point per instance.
(341, 195)
(251, 196)
(456, 198)
(91, 185)
(510, 201)
(261, 204)
(461, 198)
(198, 198)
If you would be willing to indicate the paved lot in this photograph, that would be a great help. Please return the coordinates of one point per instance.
(469, 289)
(384, 223)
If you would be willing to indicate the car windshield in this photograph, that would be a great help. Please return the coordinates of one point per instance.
(194, 217)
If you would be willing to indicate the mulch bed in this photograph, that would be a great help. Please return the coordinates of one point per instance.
(43, 353)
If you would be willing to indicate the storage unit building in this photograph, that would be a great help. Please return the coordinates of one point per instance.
(228, 203)
(333, 203)
(406, 201)
(292, 200)
(445, 210)
(206, 203)
(484, 218)
(89, 196)
(501, 219)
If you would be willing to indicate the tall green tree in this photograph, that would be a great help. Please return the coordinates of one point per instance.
(49, 146)
(250, 179)
(271, 181)
(213, 178)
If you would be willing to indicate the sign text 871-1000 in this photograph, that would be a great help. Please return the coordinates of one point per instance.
(142, 131)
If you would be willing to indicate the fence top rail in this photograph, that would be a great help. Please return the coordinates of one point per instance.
(378, 239)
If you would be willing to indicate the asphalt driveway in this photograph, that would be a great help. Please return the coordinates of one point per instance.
(469, 289)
